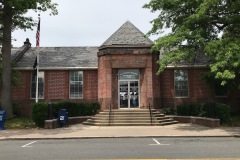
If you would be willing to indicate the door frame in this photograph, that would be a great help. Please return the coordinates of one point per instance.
(128, 90)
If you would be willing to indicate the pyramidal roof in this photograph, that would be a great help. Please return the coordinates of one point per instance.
(128, 34)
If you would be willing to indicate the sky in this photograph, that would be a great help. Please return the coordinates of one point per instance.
(86, 22)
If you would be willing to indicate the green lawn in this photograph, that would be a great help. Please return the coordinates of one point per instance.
(19, 123)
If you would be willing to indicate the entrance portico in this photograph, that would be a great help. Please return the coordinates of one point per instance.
(127, 71)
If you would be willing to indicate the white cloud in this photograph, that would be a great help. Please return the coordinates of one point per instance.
(86, 22)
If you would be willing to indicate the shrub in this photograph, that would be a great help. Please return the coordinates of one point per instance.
(168, 111)
(210, 110)
(189, 109)
(39, 113)
(40, 110)
(223, 112)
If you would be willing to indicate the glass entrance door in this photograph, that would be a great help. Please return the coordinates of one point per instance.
(128, 94)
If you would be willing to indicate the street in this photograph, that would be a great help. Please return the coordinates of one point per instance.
(120, 148)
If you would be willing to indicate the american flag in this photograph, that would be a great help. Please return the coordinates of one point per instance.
(38, 34)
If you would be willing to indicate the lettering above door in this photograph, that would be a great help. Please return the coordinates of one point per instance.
(129, 63)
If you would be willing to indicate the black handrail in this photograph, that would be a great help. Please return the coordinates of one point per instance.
(110, 114)
(150, 112)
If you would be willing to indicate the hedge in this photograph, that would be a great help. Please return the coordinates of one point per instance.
(40, 110)
(210, 110)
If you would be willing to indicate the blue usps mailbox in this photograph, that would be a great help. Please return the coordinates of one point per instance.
(62, 118)
(2, 119)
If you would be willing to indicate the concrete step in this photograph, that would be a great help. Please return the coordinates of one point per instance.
(123, 116)
(136, 117)
(131, 120)
(125, 124)
(127, 113)
(127, 118)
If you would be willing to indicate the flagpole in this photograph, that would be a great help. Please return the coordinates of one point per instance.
(37, 45)
(37, 75)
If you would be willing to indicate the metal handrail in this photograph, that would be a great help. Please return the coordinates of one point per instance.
(150, 112)
(110, 114)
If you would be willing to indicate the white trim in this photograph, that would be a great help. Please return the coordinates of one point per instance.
(69, 90)
(187, 83)
(43, 77)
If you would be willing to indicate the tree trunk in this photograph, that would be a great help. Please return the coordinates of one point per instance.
(6, 103)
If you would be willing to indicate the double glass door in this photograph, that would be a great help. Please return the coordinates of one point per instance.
(128, 94)
(128, 87)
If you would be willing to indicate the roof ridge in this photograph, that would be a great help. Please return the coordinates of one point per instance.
(127, 34)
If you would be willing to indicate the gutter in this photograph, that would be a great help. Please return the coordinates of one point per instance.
(57, 68)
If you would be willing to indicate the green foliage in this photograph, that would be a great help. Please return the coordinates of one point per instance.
(190, 110)
(168, 111)
(199, 27)
(39, 113)
(16, 77)
(210, 110)
(40, 110)
(13, 16)
(234, 121)
(223, 112)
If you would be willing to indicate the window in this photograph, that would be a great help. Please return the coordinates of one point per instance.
(181, 83)
(76, 84)
(40, 86)
(220, 91)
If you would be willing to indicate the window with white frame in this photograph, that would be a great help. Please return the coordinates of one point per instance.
(76, 84)
(40, 86)
(181, 83)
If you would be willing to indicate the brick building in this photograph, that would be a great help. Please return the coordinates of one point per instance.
(121, 73)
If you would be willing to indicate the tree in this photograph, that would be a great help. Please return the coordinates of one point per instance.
(12, 17)
(200, 27)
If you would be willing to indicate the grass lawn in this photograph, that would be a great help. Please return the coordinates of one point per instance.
(19, 123)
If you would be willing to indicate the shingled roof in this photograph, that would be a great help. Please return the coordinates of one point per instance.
(128, 34)
(60, 58)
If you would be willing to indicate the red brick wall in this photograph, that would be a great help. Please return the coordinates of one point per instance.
(199, 90)
(22, 91)
(56, 88)
(56, 85)
(90, 84)
(104, 81)
(21, 95)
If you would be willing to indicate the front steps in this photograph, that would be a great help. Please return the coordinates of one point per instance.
(134, 117)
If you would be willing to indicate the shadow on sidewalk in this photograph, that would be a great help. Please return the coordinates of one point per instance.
(234, 131)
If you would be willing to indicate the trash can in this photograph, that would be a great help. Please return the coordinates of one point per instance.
(62, 118)
(2, 119)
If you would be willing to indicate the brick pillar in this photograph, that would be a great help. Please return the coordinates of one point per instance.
(150, 84)
(104, 82)
(156, 81)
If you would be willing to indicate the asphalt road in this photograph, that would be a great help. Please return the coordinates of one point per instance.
(120, 148)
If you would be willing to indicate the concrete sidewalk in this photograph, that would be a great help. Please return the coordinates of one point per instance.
(83, 131)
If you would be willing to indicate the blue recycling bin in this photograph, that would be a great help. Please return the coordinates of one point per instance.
(62, 118)
(2, 119)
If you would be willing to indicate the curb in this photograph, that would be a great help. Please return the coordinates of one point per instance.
(95, 137)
